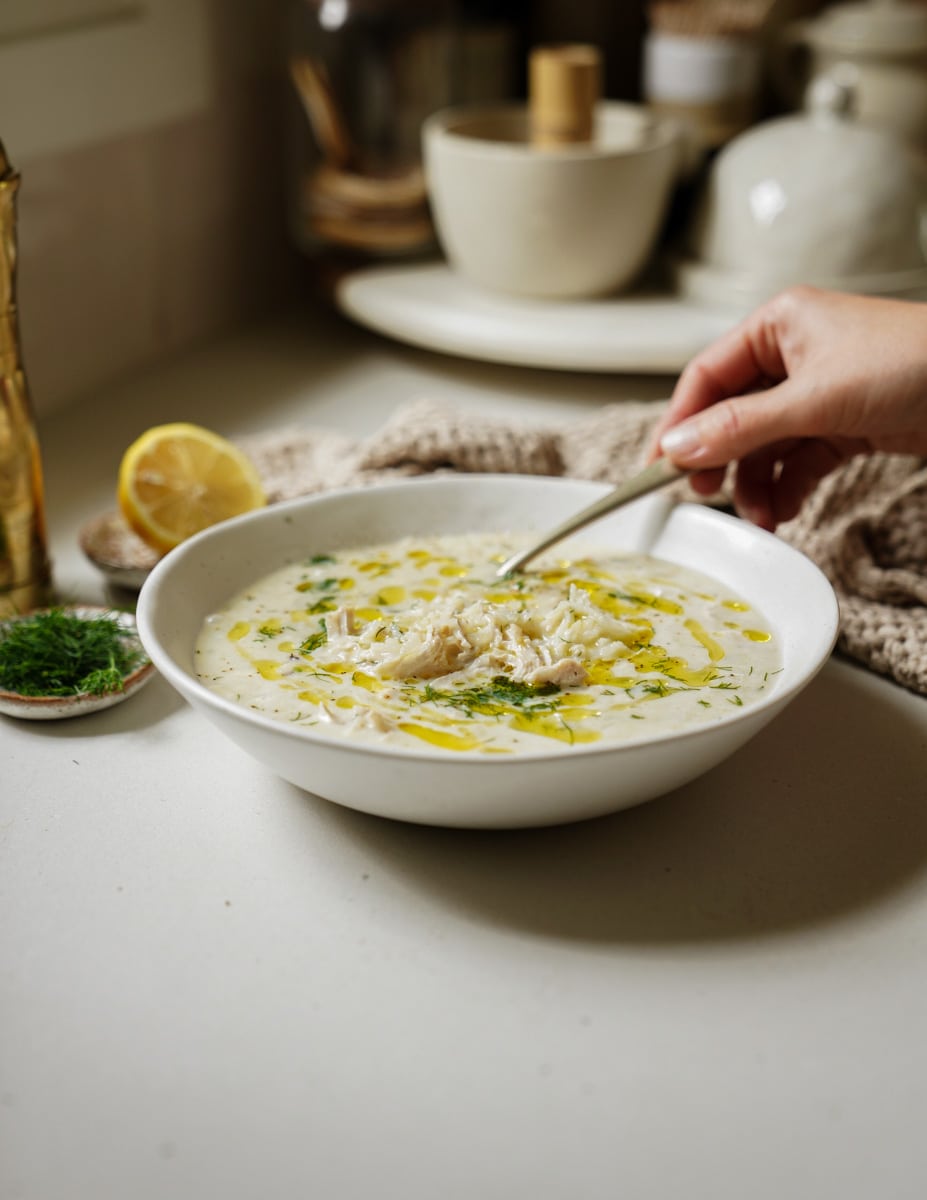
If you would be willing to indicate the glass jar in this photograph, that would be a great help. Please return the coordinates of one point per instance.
(366, 74)
(25, 570)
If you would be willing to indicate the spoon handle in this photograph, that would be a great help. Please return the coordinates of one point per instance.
(658, 474)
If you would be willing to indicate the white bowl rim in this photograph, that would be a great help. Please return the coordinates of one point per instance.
(658, 132)
(184, 681)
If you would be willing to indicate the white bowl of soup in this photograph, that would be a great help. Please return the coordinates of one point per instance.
(360, 645)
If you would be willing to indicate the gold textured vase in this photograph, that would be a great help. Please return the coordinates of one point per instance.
(25, 571)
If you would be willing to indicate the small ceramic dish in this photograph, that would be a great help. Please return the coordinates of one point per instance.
(121, 555)
(50, 708)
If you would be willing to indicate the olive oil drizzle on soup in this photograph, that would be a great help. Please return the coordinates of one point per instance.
(416, 643)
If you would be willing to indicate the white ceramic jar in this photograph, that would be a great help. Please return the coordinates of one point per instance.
(710, 84)
(885, 44)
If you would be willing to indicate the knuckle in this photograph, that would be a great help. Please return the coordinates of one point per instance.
(792, 299)
(726, 424)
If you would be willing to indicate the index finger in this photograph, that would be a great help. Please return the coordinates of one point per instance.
(742, 360)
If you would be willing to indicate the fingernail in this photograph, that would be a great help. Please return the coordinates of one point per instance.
(682, 441)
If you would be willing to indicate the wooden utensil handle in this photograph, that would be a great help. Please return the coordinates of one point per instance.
(310, 78)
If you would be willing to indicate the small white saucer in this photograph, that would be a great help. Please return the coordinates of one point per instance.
(50, 708)
(703, 283)
(432, 306)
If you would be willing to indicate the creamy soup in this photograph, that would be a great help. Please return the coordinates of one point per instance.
(416, 643)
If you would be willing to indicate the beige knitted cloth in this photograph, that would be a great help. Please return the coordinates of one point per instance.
(865, 526)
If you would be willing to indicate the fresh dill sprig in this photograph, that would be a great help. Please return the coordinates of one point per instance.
(57, 653)
(101, 681)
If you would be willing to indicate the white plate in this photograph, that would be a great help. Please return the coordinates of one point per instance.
(437, 787)
(430, 305)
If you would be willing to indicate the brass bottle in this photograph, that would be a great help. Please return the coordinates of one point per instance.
(25, 571)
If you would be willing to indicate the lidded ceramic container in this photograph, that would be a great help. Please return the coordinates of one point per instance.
(884, 41)
(819, 198)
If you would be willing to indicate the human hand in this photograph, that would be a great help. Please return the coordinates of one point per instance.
(806, 382)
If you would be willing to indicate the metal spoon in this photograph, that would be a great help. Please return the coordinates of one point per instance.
(658, 474)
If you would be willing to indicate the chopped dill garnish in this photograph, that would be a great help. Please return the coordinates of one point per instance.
(266, 632)
(315, 640)
(496, 696)
(322, 585)
(320, 558)
(57, 653)
(656, 687)
(616, 595)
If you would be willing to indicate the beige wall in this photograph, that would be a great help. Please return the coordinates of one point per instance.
(151, 208)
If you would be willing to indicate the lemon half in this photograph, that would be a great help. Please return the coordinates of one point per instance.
(177, 479)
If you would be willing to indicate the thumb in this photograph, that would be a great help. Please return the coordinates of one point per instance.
(734, 428)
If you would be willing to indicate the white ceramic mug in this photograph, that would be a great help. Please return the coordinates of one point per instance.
(576, 221)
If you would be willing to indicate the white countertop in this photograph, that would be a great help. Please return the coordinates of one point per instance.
(215, 985)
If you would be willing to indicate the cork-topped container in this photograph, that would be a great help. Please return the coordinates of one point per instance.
(562, 198)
